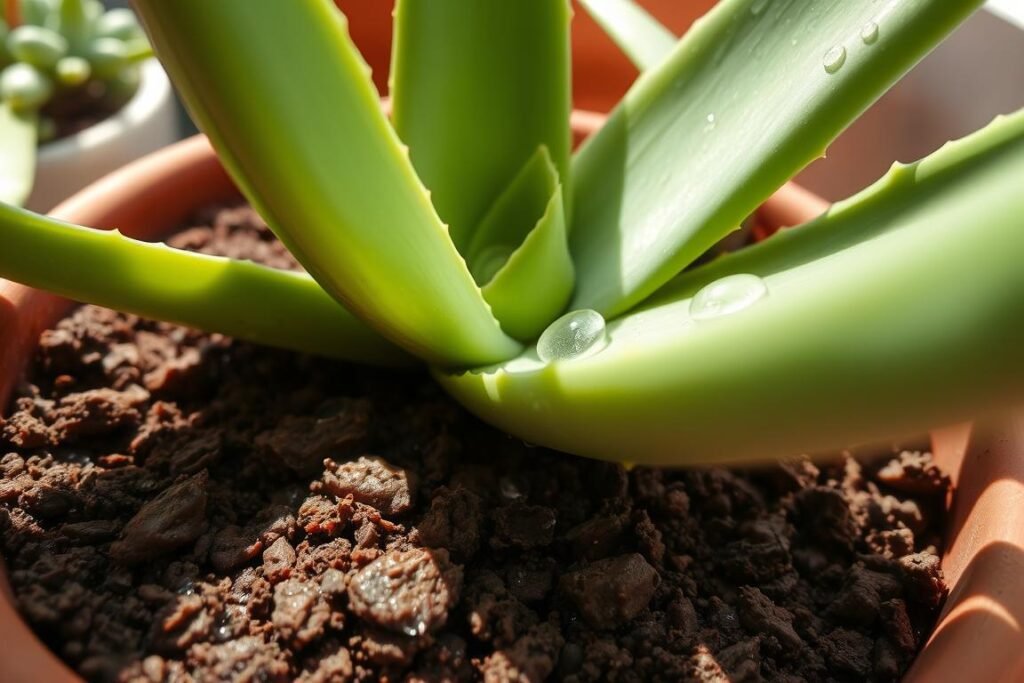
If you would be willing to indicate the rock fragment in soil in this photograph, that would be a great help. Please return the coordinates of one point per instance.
(173, 519)
(408, 591)
(373, 481)
(612, 591)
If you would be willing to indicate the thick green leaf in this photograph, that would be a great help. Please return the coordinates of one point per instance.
(17, 155)
(287, 101)
(477, 87)
(897, 311)
(639, 35)
(521, 252)
(754, 91)
(216, 294)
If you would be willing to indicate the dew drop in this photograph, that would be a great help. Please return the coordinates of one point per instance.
(710, 123)
(573, 335)
(509, 489)
(758, 6)
(726, 296)
(490, 262)
(869, 33)
(834, 59)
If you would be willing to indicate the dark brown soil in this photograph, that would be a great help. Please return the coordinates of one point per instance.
(76, 109)
(177, 506)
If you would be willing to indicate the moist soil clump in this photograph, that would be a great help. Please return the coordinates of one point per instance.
(178, 506)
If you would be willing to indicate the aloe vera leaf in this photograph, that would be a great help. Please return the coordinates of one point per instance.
(640, 36)
(309, 145)
(899, 310)
(751, 94)
(476, 88)
(520, 252)
(17, 155)
(239, 298)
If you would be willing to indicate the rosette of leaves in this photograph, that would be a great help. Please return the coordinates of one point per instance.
(551, 290)
(59, 58)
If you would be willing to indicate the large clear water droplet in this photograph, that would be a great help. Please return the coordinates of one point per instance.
(574, 335)
(834, 59)
(869, 33)
(728, 295)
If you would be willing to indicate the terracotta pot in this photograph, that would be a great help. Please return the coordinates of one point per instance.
(981, 624)
(601, 74)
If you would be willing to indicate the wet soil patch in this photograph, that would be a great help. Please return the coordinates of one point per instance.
(177, 506)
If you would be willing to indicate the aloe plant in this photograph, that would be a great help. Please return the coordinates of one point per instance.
(52, 50)
(549, 291)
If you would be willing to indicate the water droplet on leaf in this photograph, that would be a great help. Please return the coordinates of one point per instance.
(726, 296)
(869, 33)
(834, 59)
(573, 335)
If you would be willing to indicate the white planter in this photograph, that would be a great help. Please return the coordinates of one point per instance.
(147, 122)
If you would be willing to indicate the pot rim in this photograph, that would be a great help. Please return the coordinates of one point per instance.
(154, 89)
(189, 169)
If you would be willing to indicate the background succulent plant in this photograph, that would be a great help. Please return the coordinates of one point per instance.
(54, 51)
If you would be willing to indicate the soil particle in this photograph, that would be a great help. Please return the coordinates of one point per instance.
(923, 578)
(406, 591)
(611, 591)
(913, 472)
(860, 599)
(518, 525)
(372, 481)
(825, 517)
(597, 537)
(166, 514)
(454, 522)
(849, 652)
(531, 658)
(299, 612)
(759, 615)
(171, 520)
(303, 443)
(278, 560)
